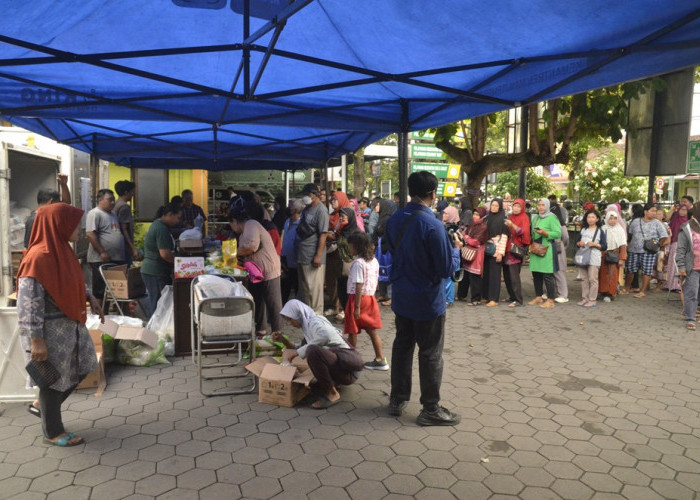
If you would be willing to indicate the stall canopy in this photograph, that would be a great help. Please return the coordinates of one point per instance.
(232, 83)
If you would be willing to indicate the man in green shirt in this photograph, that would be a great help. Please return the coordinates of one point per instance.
(159, 245)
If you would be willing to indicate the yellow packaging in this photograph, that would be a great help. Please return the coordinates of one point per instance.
(229, 249)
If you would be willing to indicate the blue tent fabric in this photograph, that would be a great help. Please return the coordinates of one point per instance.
(201, 82)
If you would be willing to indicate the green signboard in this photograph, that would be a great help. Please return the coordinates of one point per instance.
(426, 151)
(446, 189)
(694, 157)
(422, 135)
(439, 170)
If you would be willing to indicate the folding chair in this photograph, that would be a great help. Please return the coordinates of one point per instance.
(224, 325)
(109, 296)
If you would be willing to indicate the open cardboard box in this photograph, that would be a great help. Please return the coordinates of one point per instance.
(97, 378)
(281, 385)
(125, 283)
(125, 332)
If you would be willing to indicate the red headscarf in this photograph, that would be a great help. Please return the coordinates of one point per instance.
(522, 220)
(51, 261)
(343, 202)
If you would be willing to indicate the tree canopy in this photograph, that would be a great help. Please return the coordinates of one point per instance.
(554, 128)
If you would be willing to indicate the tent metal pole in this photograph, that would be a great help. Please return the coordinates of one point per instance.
(286, 187)
(280, 18)
(403, 154)
(522, 176)
(94, 171)
(344, 173)
(246, 49)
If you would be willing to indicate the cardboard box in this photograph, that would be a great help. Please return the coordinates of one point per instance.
(125, 284)
(124, 332)
(97, 378)
(189, 267)
(281, 385)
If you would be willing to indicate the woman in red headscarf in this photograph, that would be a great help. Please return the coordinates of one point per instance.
(519, 225)
(334, 262)
(51, 313)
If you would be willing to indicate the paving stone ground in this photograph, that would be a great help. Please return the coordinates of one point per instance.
(561, 403)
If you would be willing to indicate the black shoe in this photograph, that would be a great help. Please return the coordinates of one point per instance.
(438, 416)
(396, 407)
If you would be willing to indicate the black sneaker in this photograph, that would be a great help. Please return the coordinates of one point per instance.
(438, 416)
(396, 407)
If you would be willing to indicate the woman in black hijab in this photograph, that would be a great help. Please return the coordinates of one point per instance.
(495, 252)
(386, 210)
(465, 211)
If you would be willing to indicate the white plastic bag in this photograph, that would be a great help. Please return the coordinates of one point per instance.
(163, 320)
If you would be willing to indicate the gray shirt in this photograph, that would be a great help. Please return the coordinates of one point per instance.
(106, 227)
(640, 231)
(123, 211)
(313, 223)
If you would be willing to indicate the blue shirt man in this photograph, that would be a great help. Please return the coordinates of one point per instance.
(423, 257)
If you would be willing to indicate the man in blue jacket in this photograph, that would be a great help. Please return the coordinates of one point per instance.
(423, 256)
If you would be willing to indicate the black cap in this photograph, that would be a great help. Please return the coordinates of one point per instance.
(309, 188)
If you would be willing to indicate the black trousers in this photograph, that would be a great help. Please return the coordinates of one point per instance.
(50, 402)
(289, 282)
(548, 280)
(430, 337)
(267, 296)
(492, 279)
(471, 282)
(511, 276)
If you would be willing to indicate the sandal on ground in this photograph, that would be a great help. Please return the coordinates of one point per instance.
(515, 303)
(34, 410)
(474, 303)
(590, 304)
(690, 326)
(323, 402)
(386, 303)
(69, 439)
(639, 295)
(623, 292)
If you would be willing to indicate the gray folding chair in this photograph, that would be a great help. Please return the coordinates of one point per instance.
(222, 326)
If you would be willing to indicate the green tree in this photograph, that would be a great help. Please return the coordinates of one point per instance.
(554, 127)
(538, 186)
(603, 178)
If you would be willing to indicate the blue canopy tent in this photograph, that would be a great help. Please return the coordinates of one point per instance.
(233, 84)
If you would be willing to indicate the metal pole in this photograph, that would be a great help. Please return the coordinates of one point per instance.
(246, 49)
(5, 253)
(94, 172)
(344, 174)
(286, 187)
(403, 154)
(524, 132)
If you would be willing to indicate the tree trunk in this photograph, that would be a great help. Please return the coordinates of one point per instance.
(359, 174)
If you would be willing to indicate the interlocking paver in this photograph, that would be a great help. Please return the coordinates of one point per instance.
(570, 412)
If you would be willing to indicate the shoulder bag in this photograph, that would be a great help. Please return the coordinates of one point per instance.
(582, 258)
(518, 251)
(651, 245)
(468, 253)
(612, 257)
(537, 248)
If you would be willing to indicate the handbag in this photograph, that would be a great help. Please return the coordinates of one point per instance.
(651, 245)
(582, 258)
(518, 251)
(43, 373)
(538, 248)
(612, 257)
(468, 253)
(490, 248)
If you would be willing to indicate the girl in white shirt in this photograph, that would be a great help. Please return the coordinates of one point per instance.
(362, 309)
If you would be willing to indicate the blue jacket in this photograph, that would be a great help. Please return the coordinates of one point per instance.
(423, 259)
